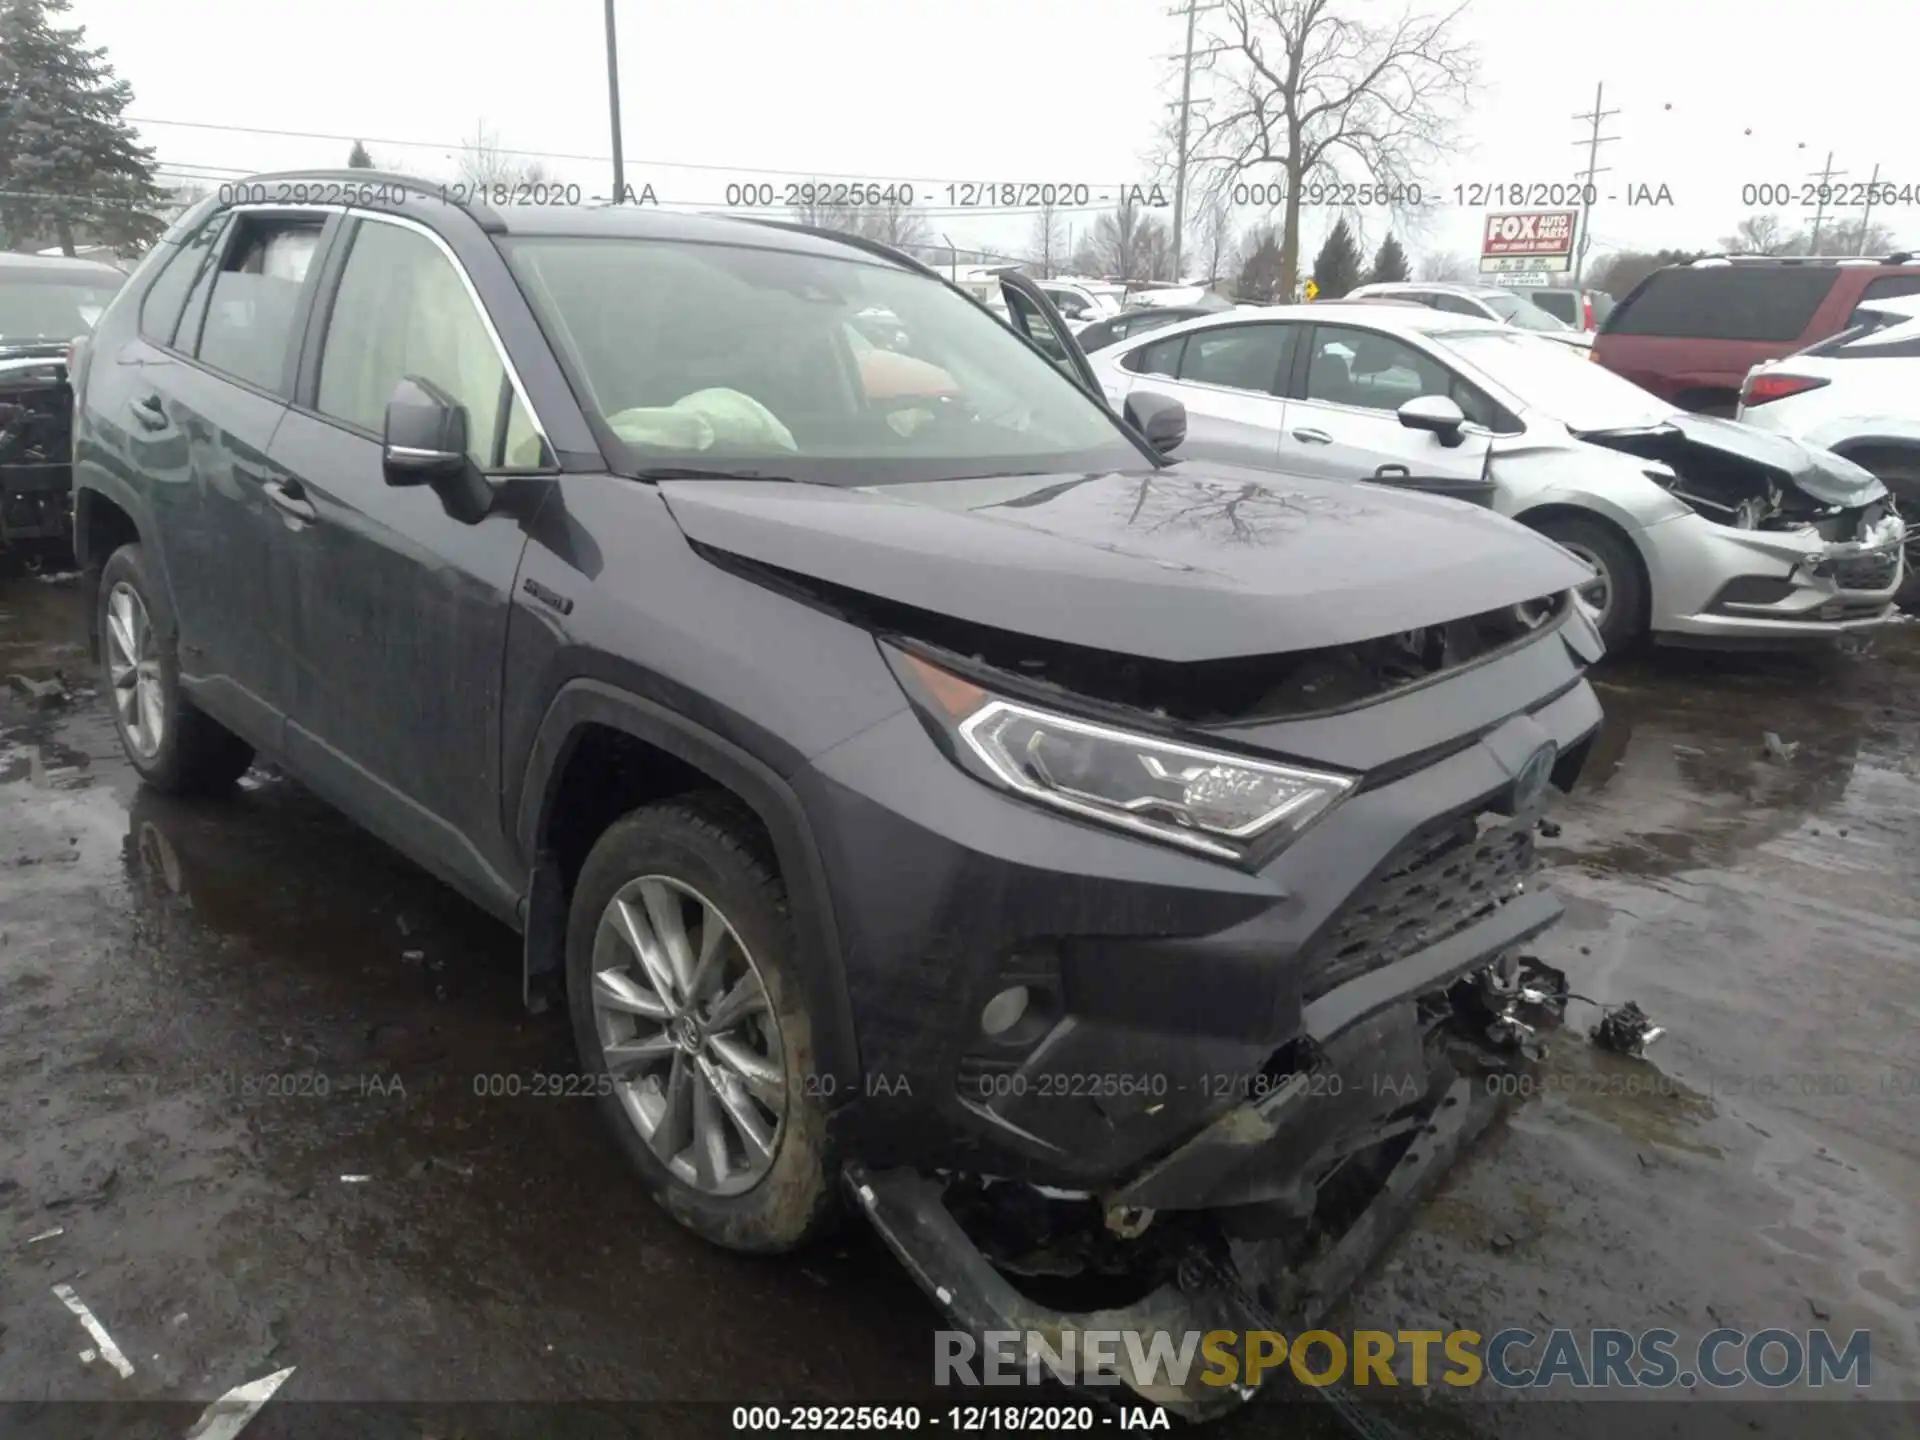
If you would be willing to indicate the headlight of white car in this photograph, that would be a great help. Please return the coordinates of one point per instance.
(1212, 801)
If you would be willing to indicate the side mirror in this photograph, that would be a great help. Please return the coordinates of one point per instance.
(1437, 415)
(426, 444)
(1160, 418)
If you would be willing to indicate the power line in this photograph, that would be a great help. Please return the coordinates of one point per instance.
(469, 146)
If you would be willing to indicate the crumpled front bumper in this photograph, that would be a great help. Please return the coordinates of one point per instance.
(1444, 1049)
(1716, 583)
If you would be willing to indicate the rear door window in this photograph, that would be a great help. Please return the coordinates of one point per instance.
(160, 307)
(255, 299)
(1240, 357)
(1767, 303)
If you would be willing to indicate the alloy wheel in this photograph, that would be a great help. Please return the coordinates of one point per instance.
(133, 664)
(688, 1035)
(1597, 594)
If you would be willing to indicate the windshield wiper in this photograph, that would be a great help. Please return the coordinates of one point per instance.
(694, 472)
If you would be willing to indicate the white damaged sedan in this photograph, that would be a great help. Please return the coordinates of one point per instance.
(1699, 530)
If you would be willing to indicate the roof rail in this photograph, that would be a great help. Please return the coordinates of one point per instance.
(487, 218)
(1898, 257)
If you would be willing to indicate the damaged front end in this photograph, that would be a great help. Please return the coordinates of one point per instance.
(1264, 1220)
(1197, 1182)
(36, 448)
(1797, 541)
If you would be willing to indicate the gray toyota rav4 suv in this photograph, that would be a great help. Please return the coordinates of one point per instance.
(925, 797)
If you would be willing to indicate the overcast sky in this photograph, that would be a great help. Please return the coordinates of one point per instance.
(1712, 95)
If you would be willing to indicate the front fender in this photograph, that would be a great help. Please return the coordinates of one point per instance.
(583, 702)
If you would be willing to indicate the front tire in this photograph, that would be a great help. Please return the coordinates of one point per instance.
(691, 1021)
(176, 747)
(1617, 597)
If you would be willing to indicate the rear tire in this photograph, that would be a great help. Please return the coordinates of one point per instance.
(1620, 593)
(176, 747)
(687, 870)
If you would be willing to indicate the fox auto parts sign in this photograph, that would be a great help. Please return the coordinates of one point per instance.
(1528, 240)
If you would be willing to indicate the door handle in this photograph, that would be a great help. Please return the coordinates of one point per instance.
(283, 494)
(149, 412)
(1313, 437)
(1392, 472)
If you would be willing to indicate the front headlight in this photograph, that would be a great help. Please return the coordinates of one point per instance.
(1211, 801)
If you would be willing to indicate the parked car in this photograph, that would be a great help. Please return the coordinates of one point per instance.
(1082, 303)
(1690, 333)
(46, 304)
(1858, 395)
(1583, 310)
(1114, 328)
(858, 767)
(1697, 529)
(1484, 302)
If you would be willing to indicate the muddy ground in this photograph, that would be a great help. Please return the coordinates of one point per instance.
(160, 960)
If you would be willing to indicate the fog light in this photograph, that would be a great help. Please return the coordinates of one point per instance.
(1004, 1011)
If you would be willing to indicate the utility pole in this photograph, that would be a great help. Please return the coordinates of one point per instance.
(1180, 159)
(1866, 211)
(1593, 142)
(1180, 163)
(613, 105)
(1825, 176)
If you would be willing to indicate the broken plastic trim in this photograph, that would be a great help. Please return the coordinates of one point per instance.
(1158, 695)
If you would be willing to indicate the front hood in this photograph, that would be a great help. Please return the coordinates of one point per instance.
(1195, 562)
(1826, 477)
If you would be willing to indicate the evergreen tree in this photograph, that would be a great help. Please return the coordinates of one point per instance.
(71, 168)
(1336, 269)
(358, 158)
(1389, 263)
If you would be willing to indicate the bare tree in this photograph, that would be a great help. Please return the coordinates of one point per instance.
(892, 225)
(1760, 235)
(1447, 265)
(1118, 241)
(1259, 279)
(484, 165)
(1842, 237)
(1307, 90)
(1049, 241)
(1216, 252)
(1156, 249)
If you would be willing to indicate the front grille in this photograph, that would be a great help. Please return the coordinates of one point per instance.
(1862, 572)
(1435, 885)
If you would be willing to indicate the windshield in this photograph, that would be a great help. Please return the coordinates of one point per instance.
(1557, 380)
(37, 310)
(1519, 312)
(736, 358)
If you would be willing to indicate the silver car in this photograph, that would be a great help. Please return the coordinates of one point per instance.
(1501, 305)
(1698, 530)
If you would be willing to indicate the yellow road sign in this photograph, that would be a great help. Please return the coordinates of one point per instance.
(1313, 290)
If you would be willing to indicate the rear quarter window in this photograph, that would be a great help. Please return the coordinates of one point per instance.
(1556, 303)
(1886, 287)
(1160, 358)
(1731, 302)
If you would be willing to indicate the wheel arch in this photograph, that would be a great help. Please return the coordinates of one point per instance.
(1534, 516)
(107, 515)
(682, 755)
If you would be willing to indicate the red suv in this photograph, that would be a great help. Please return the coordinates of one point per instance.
(1690, 333)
